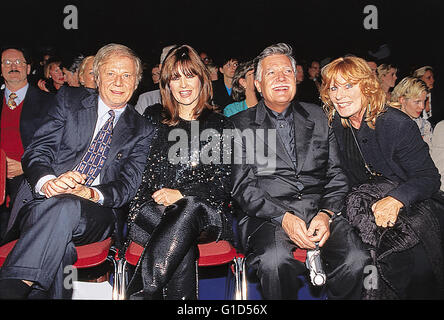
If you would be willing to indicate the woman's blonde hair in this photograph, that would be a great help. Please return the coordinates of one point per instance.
(83, 64)
(383, 69)
(409, 87)
(418, 73)
(354, 70)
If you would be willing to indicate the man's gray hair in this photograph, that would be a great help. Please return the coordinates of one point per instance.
(116, 49)
(279, 48)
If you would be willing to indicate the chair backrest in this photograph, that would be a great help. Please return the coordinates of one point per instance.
(2, 176)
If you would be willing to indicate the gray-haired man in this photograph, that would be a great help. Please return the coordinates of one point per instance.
(297, 204)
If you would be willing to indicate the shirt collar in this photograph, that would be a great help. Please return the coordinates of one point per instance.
(21, 93)
(103, 110)
(286, 113)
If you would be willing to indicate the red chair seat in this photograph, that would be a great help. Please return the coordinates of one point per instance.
(133, 253)
(216, 253)
(300, 254)
(210, 254)
(4, 251)
(91, 255)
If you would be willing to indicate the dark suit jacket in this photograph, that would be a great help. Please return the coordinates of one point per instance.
(34, 109)
(63, 138)
(317, 181)
(396, 150)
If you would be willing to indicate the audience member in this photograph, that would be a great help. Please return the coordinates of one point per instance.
(300, 74)
(153, 97)
(386, 74)
(222, 87)
(410, 95)
(373, 66)
(86, 73)
(54, 77)
(23, 109)
(155, 75)
(214, 73)
(206, 59)
(437, 150)
(37, 70)
(184, 198)
(426, 74)
(292, 198)
(379, 141)
(244, 91)
(71, 71)
(308, 88)
(68, 198)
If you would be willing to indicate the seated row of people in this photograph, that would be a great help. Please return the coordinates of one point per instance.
(184, 169)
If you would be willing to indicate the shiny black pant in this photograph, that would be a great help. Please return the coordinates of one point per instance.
(169, 261)
(269, 253)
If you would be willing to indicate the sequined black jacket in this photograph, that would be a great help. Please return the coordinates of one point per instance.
(193, 157)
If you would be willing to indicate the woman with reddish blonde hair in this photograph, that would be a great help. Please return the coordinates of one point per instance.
(185, 191)
(374, 140)
(355, 71)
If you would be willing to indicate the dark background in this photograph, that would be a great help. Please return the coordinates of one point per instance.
(316, 29)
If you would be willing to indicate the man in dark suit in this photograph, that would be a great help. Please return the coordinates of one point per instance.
(61, 205)
(23, 109)
(290, 187)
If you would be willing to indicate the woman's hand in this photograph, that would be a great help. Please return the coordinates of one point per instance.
(167, 196)
(42, 85)
(386, 211)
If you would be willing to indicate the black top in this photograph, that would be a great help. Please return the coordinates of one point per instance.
(396, 150)
(353, 161)
(180, 160)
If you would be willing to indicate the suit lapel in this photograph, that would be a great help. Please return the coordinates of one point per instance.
(86, 120)
(303, 130)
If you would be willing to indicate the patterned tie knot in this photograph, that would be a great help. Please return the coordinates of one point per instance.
(11, 102)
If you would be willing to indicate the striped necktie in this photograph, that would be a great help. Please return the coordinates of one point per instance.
(11, 102)
(93, 160)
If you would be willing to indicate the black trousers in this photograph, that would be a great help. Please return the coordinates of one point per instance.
(269, 253)
(168, 267)
(49, 231)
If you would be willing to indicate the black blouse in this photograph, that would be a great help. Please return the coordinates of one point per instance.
(193, 157)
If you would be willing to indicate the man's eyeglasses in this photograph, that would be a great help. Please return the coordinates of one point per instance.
(18, 63)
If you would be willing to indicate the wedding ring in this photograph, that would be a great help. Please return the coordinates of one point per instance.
(390, 224)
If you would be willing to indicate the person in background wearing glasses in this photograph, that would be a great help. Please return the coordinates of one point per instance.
(222, 87)
(23, 109)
